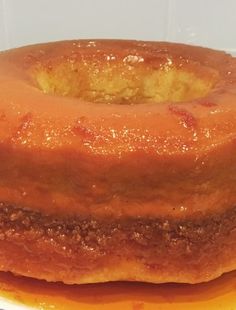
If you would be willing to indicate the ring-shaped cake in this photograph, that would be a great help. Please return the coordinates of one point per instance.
(117, 161)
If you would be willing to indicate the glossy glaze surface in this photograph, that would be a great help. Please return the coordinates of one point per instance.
(215, 295)
(78, 157)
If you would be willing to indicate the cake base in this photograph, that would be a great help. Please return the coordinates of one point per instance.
(76, 250)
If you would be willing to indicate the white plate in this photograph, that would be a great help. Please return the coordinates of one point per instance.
(10, 305)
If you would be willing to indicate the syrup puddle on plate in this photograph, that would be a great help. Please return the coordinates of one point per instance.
(215, 295)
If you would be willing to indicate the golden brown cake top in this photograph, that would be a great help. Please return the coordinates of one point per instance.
(128, 81)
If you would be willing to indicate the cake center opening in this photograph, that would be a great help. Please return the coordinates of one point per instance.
(126, 82)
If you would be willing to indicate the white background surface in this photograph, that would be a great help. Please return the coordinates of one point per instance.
(204, 22)
(209, 23)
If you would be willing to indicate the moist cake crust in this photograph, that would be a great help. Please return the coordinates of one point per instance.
(193, 248)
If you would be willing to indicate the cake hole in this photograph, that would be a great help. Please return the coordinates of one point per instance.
(125, 82)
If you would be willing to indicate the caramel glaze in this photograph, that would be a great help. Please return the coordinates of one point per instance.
(214, 295)
(108, 165)
(66, 156)
(79, 250)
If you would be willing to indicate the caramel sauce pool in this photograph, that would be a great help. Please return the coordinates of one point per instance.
(215, 295)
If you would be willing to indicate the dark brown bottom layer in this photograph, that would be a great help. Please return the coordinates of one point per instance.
(192, 250)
